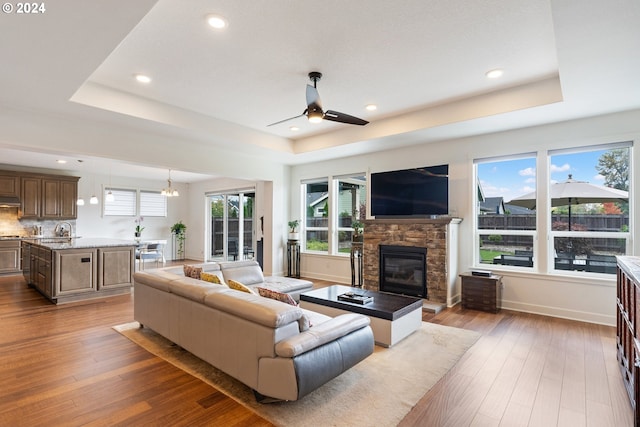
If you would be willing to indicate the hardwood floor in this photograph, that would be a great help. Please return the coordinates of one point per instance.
(65, 365)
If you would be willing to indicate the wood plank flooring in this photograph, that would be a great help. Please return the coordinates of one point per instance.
(65, 365)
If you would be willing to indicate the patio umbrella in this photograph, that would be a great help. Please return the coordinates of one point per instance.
(572, 192)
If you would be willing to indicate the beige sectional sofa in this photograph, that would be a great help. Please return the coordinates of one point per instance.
(249, 273)
(279, 350)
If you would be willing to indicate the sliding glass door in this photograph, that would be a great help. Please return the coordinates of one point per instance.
(232, 226)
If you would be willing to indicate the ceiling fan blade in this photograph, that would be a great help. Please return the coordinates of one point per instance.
(313, 97)
(336, 116)
(290, 118)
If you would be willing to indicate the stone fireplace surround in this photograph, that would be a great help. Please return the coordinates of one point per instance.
(439, 236)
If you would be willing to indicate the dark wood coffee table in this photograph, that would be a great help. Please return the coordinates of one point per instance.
(393, 317)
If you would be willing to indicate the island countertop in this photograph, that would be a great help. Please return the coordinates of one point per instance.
(58, 243)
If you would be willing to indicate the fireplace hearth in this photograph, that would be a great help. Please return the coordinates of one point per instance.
(403, 270)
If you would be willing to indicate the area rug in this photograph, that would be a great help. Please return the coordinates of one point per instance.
(379, 391)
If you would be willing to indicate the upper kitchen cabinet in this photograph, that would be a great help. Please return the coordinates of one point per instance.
(59, 198)
(48, 196)
(9, 185)
(30, 197)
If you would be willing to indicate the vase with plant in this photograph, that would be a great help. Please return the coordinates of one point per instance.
(358, 229)
(179, 233)
(293, 227)
(139, 227)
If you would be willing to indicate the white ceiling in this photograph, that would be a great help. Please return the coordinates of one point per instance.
(423, 62)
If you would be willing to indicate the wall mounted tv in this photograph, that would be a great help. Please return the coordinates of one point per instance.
(410, 192)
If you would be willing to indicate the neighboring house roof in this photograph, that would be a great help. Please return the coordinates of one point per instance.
(492, 205)
(517, 210)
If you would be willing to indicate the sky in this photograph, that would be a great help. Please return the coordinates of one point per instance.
(514, 178)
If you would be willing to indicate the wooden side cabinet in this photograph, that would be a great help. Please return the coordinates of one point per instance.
(481, 293)
(627, 334)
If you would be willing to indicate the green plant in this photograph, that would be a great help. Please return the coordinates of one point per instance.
(178, 228)
(358, 226)
(293, 225)
(495, 238)
(138, 222)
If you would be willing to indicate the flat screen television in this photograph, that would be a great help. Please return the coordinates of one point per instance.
(410, 192)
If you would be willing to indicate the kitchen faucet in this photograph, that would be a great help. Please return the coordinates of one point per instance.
(60, 230)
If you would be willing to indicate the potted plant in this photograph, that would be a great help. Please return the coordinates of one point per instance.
(358, 229)
(179, 231)
(293, 226)
(139, 227)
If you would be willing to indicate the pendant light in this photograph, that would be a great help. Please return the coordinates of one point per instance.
(94, 199)
(169, 191)
(109, 197)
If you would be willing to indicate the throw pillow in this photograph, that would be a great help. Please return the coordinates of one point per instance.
(239, 287)
(304, 322)
(280, 296)
(210, 277)
(192, 271)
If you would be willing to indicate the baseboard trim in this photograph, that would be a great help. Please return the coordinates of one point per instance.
(563, 313)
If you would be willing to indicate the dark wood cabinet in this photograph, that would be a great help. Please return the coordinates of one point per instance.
(48, 196)
(627, 331)
(9, 185)
(10, 258)
(481, 293)
(30, 196)
(59, 198)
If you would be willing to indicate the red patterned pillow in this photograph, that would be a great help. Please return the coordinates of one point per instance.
(191, 271)
(279, 296)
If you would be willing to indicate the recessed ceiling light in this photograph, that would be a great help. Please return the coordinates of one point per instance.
(61, 161)
(294, 128)
(143, 78)
(371, 107)
(494, 74)
(217, 22)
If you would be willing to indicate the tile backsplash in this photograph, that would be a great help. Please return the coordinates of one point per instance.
(10, 225)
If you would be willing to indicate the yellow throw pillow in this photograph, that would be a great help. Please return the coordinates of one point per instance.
(239, 287)
(210, 277)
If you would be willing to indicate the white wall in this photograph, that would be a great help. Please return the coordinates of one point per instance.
(588, 299)
(91, 222)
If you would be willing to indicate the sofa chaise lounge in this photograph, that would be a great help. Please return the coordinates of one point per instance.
(279, 350)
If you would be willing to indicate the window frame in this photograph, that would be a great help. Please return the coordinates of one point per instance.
(478, 232)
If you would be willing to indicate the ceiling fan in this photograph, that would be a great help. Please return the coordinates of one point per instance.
(314, 111)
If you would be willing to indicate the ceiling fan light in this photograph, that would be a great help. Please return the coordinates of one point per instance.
(315, 116)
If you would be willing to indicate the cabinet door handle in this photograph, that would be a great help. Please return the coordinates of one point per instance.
(87, 259)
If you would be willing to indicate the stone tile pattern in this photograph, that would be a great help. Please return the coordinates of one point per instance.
(431, 234)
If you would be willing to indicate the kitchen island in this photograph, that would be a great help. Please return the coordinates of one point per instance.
(73, 269)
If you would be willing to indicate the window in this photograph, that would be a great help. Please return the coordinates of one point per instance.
(586, 203)
(352, 204)
(123, 203)
(316, 224)
(331, 207)
(589, 200)
(505, 228)
(152, 203)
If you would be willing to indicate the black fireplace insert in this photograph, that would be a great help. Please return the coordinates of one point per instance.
(403, 270)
